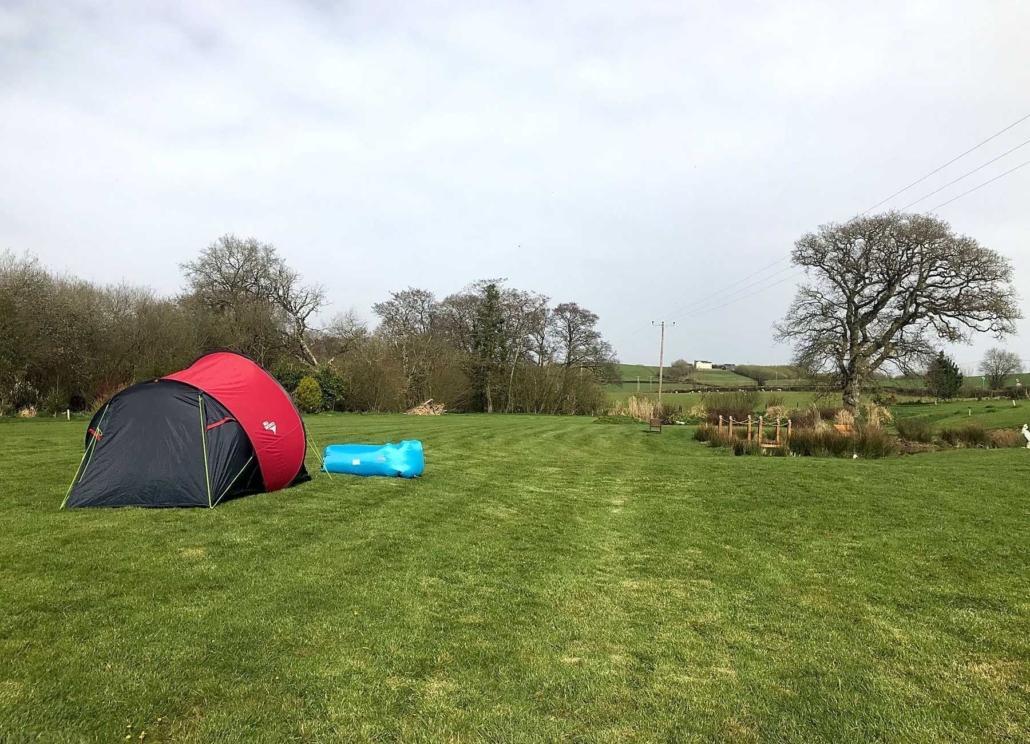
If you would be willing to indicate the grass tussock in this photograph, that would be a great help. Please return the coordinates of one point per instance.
(915, 430)
(973, 435)
(738, 405)
(1007, 438)
(641, 409)
(869, 442)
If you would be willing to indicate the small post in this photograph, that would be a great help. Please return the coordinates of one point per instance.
(761, 420)
(777, 431)
(731, 427)
(749, 427)
(788, 429)
(68, 414)
(720, 424)
(970, 412)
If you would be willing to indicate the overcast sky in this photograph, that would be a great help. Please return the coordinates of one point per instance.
(633, 157)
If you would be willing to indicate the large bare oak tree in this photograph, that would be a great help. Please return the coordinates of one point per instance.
(883, 289)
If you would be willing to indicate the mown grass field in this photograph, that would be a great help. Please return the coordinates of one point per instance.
(548, 580)
(992, 414)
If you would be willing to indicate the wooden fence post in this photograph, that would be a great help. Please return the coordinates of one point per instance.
(731, 427)
(749, 427)
(761, 421)
(720, 424)
(777, 431)
(788, 429)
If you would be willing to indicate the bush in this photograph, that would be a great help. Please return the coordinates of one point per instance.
(973, 435)
(873, 443)
(973, 391)
(806, 418)
(331, 383)
(739, 405)
(820, 443)
(744, 447)
(670, 414)
(308, 395)
(288, 374)
(55, 402)
(915, 430)
(1005, 438)
(705, 432)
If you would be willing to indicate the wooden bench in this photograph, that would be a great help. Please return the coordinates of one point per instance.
(655, 424)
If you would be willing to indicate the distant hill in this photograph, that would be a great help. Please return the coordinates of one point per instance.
(709, 377)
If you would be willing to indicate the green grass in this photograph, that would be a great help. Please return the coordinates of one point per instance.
(688, 400)
(549, 579)
(993, 414)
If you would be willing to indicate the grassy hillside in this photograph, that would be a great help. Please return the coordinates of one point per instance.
(549, 579)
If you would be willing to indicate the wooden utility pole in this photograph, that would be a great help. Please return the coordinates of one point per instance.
(661, 361)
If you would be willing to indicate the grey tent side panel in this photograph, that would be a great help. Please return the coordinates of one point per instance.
(152, 447)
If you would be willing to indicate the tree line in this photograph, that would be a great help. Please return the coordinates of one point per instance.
(70, 343)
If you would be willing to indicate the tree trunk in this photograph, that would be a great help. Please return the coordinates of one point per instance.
(489, 398)
(851, 391)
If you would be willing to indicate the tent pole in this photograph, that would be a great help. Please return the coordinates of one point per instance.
(317, 455)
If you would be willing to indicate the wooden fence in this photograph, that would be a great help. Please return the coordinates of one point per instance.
(757, 433)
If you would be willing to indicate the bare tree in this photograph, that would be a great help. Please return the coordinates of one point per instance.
(246, 279)
(998, 364)
(884, 288)
(409, 320)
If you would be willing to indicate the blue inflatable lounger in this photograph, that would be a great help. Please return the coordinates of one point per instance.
(404, 459)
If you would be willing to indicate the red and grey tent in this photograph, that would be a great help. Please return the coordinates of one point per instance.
(221, 428)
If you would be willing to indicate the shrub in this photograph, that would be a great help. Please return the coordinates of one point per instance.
(744, 447)
(669, 414)
(739, 405)
(886, 401)
(806, 418)
(55, 402)
(873, 443)
(973, 391)
(308, 395)
(973, 435)
(820, 443)
(876, 415)
(777, 412)
(845, 418)
(828, 413)
(915, 430)
(331, 383)
(705, 432)
(1005, 438)
(288, 374)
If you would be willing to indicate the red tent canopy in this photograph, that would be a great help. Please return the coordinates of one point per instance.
(260, 405)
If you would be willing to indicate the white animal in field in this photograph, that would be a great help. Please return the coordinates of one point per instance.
(1026, 435)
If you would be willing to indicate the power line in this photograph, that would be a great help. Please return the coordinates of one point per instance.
(722, 291)
(752, 294)
(938, 170)
(706, 305)
(966, 193)
(952, 183)
(705, 301)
